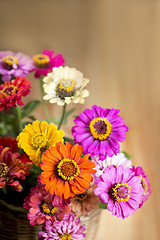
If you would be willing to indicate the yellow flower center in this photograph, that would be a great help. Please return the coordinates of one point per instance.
(100, 128)
(144, 185)
(67, 84)
(82, 196)
(65, 237)
(120, 192)
(8, 90)
(66, 88)
(3, 170)
(48, 208)
(8, 62)
(38, 141)
(41, 60)
(67, 169)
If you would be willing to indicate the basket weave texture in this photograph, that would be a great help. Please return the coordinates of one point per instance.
(14, 225)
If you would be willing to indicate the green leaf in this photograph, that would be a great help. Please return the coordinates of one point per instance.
(56, 120)
(35, 171)
(102, 205)
(66, 139)
(30, 107)
(127, 155)
(26, 123)
(32, 118)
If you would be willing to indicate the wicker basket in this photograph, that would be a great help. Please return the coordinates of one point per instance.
(14, 224)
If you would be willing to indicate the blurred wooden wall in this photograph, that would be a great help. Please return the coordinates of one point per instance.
(117, 45)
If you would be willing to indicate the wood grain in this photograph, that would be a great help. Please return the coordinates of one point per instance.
(117, 45)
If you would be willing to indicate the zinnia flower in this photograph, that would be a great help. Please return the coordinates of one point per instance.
(41, 209)
(120, 189)
(99, 130)
(144, 182)
(9, 142)
(11, 92)
(69, 228)
(14, 65)
(37, 138)
(66, 173)
(53, 199)
(12, 169)
(84, 203)
(45, 62)
(65, 85)
(116, 160)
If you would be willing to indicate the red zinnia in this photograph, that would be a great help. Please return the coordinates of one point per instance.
(9, 142)
(11, 92)
(12, 169)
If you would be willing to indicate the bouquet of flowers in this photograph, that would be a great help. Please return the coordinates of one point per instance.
(57, 179)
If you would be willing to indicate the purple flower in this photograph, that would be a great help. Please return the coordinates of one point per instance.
(144, 182)
(45, 62)
(120, 189)
(68, 228)
(14, 64)
(99, 130)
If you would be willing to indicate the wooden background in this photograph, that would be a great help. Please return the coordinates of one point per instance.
(117, 45)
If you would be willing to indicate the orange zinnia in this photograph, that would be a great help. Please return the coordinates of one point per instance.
(66, 173)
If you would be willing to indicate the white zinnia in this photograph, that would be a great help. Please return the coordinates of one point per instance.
(116, 160)
(65, 85)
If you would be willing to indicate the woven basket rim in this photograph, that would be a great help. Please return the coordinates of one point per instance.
(13, 208)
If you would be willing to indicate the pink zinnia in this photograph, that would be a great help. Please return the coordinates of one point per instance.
(120, 189)
(99, 131)
(14, 65)
(68, 228)
(41, 208)
(11, 92)
(45, 62)
(144, 182)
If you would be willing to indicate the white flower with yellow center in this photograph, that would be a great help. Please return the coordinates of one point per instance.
(65, 85)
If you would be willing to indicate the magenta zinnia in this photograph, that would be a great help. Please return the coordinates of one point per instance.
(99, 131)
(45, 62)
(69, 228)
(120, 189)
(11, 92)
(14, 65)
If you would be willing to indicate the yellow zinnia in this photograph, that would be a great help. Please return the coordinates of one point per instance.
(37, 137)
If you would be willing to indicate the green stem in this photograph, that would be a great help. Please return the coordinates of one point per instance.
(5, 129)
(19, 118)
(43, 101)
(62, 117)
